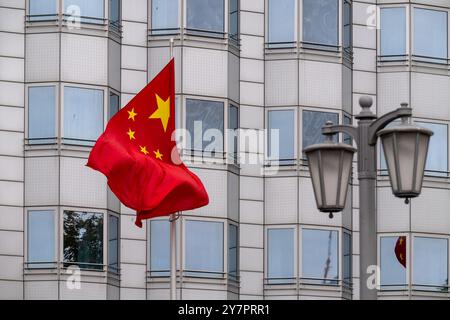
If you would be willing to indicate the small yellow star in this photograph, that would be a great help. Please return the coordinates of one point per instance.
(131, 133)
(131, 114)
(158, 155)
(144, 150)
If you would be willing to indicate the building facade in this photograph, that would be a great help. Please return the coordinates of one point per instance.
(276, 70)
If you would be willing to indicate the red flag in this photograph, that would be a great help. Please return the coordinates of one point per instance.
(138, 156)
(400, 250)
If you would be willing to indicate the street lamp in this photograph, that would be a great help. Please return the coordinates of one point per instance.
(405, 147)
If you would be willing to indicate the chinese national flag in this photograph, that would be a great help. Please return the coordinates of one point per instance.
(140, 159)
(400, 250)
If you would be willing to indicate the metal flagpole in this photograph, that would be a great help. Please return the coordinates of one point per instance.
(173, 237)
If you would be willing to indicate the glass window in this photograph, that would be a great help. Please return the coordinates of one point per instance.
(113, 243)
(280, 255)
(90, 11)
(41, 239)
(232, 251)
(347, 138)
(320, 22)
(83, 239)
(312, 123)
(347, 258)
(233, 125)
(159, 248)
(204, 248)
(430, 34)
(320, 256)
(42, 10)
(206, 16)
(234, 20)
(164, 16)
(281, 22)
(114, 105)
(281, 124)
(204, 122)
(393, 263)
(393, 33)
(41, 114)
(430, 264)
(114, 14)
(83, 115)
(347, 25)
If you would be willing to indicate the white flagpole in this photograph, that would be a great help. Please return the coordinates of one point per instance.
(173, 237)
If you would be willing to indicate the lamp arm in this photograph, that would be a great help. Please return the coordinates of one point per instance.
(343, 128)
(384, 120)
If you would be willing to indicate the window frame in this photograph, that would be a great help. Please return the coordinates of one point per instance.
(207, 33)
(88, 19)
(108, 266)
(51, 17)
(408, 35)
(227, 270)
(165, 31)
(283, 45)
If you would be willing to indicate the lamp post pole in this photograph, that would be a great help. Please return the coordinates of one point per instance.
(365, 136)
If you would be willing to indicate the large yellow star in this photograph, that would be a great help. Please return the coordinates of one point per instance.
(163, 111)
(131, 133)
(144, 150)
(131, 114)
(158, 155)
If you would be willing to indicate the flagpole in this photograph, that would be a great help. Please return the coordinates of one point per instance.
(173, 237)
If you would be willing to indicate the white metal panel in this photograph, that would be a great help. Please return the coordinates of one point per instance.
(393, 89)
(251, 211)
(41, 181)
(84, 59)
(114, 64)
(251, 188)
(133, 81)
(11, 268)
(132, 251)
(251, 259)
(41, 290)
(11, 218)
(251, 117)
(11, 242)
(129, 230)
(12, 194)
(347, 89)
(251, 282)
(11, 290)
(193, 294)
(252, 47)
(11, 143)
(87, 291)
(233, 196)
(253, 5)
(11, 168)
(252, 93)
(392, 213)
(364, 13)
(133, 275)
(205, 72)
(42, 57)
(135, 11)
(281, 200)
(11, 118)
(233, 77)
(134, 58)
(11, 69)
(134, 33)
(158, 294)
(132, 294)
(12, 44)
(252, 70)
(429, 211)
(281, 82)
(251, 235)
(364, 37)
(252, 23)
(364, 59)
(80, 185)
(12, 94)
(319, 77)
(364, 82)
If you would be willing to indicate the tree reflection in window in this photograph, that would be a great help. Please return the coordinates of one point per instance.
(83, 239)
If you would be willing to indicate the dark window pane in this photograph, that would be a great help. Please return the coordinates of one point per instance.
(204, 122)
(281, 21)
(320, 22)
(90, 11)
(205, 15)
(42, 10)
(114, 105)
(280, 255)
(83, 115)
(320, 256)
(83, 239)
(114, 13)
(281, 122)
(430, 34)
(430, 269)
(347, 138)
(312, 124)
(204, 248)
(233, 125)
(393, 273)
(234, 19)
(164, 16)
(393, 32)
(160, 247)
(347, 258)
(41, 114)
(113, 243)
(232, 251)
(347, 25)
(41, 239)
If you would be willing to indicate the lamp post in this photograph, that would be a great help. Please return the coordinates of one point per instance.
(405, 147)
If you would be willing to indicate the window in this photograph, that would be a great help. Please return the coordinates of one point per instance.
(83, 239)
(114, 105)
(204, 122)
(320, 23)
(393, 263)
(204, 248)
(347, 258)
(232, 251)
(281, 23)
(42, 10)
(347, 26)
(90, 11)
(41, 239)
(164, 16)
(430, 35)
(312, 123)
(346, 137)
(113, 243)
(205, 16)
(41, 114)
(430, 264)
(234, 20)
(280, 256)
(159, 248)
(83, 115)
(281, 136)
(233, 125)
(114, 14)
(320, 256)
(393, 33)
